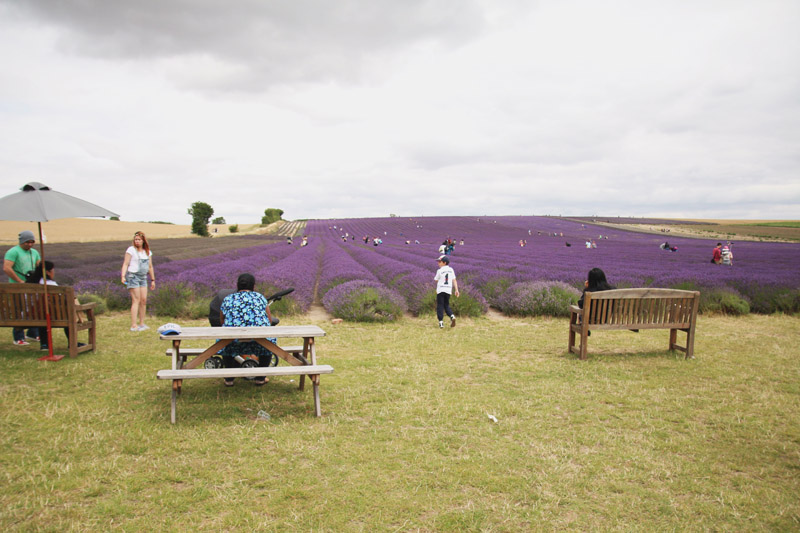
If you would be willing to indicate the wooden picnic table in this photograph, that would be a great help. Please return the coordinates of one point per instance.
(303, 362)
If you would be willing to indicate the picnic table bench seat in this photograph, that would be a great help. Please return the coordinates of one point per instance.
(22, 306)
(635, 309)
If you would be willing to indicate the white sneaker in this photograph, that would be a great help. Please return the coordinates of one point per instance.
(441, 325)
(134, 329)
(143, 327)
(21, 343)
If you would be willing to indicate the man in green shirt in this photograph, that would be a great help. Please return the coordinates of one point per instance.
(18, 261)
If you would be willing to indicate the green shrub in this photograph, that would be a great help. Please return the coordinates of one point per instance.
(117, 300)
(469, 303)
(87, 298)
(723, 300)
(364, 301)
(171, 299)
(234, 228)
(197, 308)
(768, 299)
(493, 289)
(286, 306)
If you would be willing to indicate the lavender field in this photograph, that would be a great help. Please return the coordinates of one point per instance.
(488, 263)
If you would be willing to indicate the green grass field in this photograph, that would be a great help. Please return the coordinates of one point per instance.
(634, 438)
(786, 224)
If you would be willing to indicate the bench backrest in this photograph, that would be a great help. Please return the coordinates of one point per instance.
(23, 304)
(632, 307)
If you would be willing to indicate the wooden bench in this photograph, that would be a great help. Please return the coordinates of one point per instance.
(635, 309)
(22, 306)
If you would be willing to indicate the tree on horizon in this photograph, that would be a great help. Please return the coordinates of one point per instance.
(201, 213)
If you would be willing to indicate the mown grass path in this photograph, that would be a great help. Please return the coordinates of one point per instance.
(633, 438)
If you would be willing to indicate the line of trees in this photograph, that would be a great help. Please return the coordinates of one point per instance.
(202, 212)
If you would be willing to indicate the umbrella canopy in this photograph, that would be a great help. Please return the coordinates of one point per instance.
(39, 203)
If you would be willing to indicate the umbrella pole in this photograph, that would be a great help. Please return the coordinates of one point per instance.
(50, 356)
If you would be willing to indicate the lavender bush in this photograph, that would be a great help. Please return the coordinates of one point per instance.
(531, 298)
(364, 301)
(470, 303)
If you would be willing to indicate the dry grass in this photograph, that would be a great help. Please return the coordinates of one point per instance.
(633, 438)
(95, 230)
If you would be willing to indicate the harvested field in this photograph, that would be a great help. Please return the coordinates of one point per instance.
(94, 230)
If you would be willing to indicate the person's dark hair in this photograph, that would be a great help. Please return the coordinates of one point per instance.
(245, 282)
(36, 277)
(597, 281)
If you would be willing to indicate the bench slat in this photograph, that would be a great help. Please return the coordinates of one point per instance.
(201, 373)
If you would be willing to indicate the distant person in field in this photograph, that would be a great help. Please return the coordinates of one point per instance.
(595, 282)
(727, 255)
(446, 285)
(245, 308)
(17, 262)
(716, 254)
(137, 265)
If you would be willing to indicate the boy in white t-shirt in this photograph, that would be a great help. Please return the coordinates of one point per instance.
(446, 284)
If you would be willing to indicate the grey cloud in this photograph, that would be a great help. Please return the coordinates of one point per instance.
(267, 42)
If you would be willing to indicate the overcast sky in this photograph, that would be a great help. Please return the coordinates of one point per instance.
(353, 108)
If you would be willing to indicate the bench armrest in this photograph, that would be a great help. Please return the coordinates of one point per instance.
(85, 307)
(575, 310)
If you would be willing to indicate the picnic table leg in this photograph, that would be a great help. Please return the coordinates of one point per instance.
(173, 407)
(305, 358)
(317, 409)
(177, 362)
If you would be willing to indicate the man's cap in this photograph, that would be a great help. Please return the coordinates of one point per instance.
(25, 236)
(169, 329)
(444, 259)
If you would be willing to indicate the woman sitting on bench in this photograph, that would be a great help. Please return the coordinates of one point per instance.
(245, 308)
(50, 270)
(595, 282)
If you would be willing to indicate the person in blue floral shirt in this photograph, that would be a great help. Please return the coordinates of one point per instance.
(245, 308)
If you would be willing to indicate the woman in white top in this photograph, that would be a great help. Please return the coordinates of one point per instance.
(137, 265)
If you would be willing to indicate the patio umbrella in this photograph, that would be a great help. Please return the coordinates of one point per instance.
(39, 203)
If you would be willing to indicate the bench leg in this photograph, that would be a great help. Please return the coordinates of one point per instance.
(673, 339)
(571, 343)
(584, 341)
(173, 408)
(690, 343)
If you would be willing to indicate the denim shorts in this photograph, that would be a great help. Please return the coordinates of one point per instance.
(134, 280)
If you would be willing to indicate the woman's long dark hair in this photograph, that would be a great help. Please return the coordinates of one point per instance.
(597, 281)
